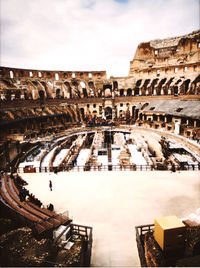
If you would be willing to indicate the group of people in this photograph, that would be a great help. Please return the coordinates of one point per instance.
(24, 194)
(19, 182)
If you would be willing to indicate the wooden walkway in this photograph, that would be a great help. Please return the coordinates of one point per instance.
(40, 219)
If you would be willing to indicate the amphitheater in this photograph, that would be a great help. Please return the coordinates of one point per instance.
(119, 151)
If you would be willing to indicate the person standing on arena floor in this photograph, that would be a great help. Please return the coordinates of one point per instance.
(50, 185)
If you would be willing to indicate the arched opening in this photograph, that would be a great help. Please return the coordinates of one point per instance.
(136, 91)
(69, 91)
(153, 85)
(41, 94)
(68, 117)
(129, 92)
(76, 92)
(108, 113)
(127, 114)
(133, 112)
(195, 85)
(138, 83)
(82, 113)
(155, 117)
(186, 86)
(146, 82)
(58, 93)
(121, 114)
(107, 92)
(94, 114)
(85, 93)
(160, 86)
(115, 85)
(175, 90)
(121, 92)
(136, 113)
(91, 89)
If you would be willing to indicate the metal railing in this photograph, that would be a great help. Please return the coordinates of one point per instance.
(85, 232)
(110, 167)
(140, 232)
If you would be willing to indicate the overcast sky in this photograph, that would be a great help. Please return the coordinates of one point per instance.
(78, 35)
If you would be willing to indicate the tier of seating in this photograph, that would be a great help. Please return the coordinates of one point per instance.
(39, 218)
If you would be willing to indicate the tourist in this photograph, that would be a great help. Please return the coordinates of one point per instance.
(50, 185)
(173, 168)
(50, 207)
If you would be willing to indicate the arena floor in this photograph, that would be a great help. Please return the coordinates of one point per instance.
(113, 203)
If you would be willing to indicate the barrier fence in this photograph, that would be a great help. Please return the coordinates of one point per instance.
(67, 168)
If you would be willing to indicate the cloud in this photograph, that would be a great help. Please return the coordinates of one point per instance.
(88, 34)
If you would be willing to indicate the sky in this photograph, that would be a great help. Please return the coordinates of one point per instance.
(88, 35)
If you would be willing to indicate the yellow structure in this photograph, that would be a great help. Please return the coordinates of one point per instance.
(169, 233)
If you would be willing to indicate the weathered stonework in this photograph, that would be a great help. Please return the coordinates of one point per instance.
(163, 73)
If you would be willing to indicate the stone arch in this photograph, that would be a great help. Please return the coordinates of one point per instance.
(82, 112)
(67, 90)
(121, 114)
(70, 113)
(153, 86)
(136, 91)
(115, 85)
(58, 93)
(94, 114)
(75, 90)
(84, 93)
(74, 112)
(48, 86)
(138, 83)
(196, 83)
(121, 92)
(133, 111)
(108, 112)
(144, 87)
(127, 113)
(30, 91)
(92, 92)
(159, 90)
(141, 116)
(41, 94)
(175, 90)
(168, 86)
(129, 92)
(107, 92)
(80, 118)
(185, 87)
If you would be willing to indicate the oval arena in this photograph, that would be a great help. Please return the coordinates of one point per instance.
(119, 151)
